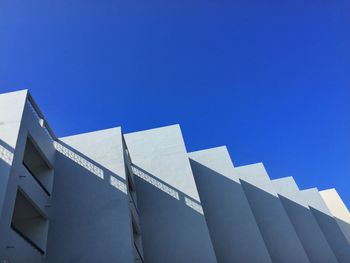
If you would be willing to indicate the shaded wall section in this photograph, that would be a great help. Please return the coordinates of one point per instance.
(90, 208)
(338, 209)
(277, 230)
(307, 228)
(234, 232)
(172, 221)
(23, 240)
(328, 224)
(11, 111)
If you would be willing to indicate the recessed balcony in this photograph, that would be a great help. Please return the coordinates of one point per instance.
(29, 223)
(37, 166)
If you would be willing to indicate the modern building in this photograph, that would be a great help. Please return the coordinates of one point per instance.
(106, 196)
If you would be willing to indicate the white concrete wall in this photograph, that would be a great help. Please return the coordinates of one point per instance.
(328, 224)
(275, 226)
(87, 214)
(338, 209)
(91, 219)
(307, 228)
(172, 221)
(233, 230)
(19, 123)
(11, 111)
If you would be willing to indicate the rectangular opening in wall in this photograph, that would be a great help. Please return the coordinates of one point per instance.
(29, 223)
(37, 166)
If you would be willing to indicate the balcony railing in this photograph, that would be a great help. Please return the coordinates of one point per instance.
(37, 113)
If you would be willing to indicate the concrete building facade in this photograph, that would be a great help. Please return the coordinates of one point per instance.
(106, 196)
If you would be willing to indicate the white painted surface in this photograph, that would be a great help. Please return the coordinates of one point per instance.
(328, 224)
(275, 226)
(172, 222)
(232, 226)
(305, 225)
(91, 219)
(338, 209)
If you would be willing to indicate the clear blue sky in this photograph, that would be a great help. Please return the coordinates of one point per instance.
(269, 79)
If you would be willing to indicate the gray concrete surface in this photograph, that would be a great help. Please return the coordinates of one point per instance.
(338, 209)
(91, 220)
(328, 224)
(275, 226)
(172, 221)
(19, 123)
(230, 220)
(93, 198)
(305, 225)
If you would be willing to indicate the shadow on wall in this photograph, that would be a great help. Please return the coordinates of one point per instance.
(230, 221)
(12, 228)
(166, 188)
(6, 158)
(332, 231)
(81, 192)
(91, 166)
(172, 223)
(310, 234)
(90, 207)
(328, 225)
(229, 230)
(22, 224)
(171, 203)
